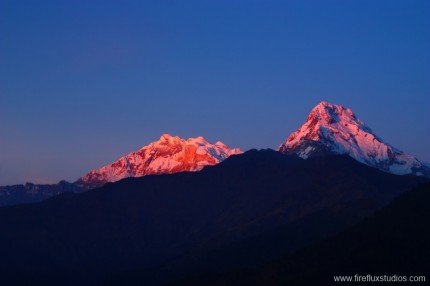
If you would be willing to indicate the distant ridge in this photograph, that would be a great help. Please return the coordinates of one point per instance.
(329, 129)
(170, 154)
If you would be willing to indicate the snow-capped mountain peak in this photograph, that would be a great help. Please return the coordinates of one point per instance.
(170, 154)
(334, 129)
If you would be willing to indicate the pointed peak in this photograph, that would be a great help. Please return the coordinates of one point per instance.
(219, 143)
(169, 139)
(334, 129)
(199, 139)
(328, 107)
(165, 136)
(330, 113)
(325, 104)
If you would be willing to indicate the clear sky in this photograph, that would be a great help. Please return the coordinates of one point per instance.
(84, 82)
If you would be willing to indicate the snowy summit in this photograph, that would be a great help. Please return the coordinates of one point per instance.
(334, 129)
(166, 156)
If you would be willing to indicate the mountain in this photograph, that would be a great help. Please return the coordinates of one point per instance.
(168, 155)
(334, 129)
(31, 193)
(391, 245)
(141, 223)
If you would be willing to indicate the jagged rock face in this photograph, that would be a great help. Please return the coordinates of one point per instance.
(166, 156)
(334, 129)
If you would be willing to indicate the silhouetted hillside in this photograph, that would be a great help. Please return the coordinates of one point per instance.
(138, 223)
(393, 241)
(252, 251)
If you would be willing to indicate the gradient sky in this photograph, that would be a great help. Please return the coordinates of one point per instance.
(84, 82)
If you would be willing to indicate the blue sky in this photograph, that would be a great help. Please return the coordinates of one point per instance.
(84, 82)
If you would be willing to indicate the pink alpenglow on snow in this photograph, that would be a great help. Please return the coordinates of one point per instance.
(334, 129)
(166, 156)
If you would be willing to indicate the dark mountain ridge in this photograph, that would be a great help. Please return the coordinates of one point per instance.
(141, 222)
